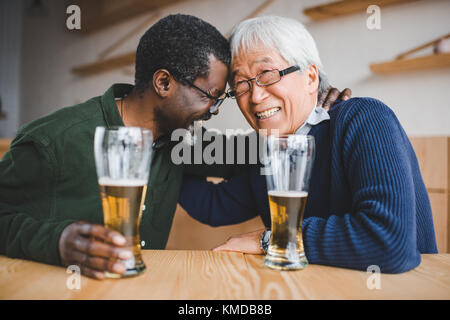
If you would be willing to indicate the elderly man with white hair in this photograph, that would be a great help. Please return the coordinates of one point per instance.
(367, 203)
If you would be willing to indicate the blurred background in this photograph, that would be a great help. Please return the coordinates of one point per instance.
(372, 50)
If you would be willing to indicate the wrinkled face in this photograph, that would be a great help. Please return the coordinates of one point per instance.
(187, 104)
(284, 105)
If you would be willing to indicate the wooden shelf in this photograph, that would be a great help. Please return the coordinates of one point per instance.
(434, 61)
(99, 14)
(129, 58)
(340, 8)
(106, 65)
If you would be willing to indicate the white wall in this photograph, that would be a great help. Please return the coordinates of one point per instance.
(346, 46)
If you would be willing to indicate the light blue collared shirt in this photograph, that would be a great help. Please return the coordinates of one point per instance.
(316, 116)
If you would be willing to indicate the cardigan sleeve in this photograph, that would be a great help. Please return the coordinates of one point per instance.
(380, 227)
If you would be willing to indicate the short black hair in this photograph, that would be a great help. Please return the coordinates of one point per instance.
(180, 44)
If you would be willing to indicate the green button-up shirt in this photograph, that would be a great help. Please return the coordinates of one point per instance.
(48, 180)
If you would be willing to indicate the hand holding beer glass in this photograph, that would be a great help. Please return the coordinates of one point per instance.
(289, 169)
(123, 158)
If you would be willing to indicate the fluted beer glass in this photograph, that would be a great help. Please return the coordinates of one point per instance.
(290, 160)
(123, 157)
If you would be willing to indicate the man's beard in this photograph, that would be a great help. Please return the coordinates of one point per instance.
(164, 122)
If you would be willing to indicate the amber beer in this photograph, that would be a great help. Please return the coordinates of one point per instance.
(286, 243)
(122, 202)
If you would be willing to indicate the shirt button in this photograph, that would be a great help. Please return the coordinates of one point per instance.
(143, 207)
(154, 144)
(142, 243)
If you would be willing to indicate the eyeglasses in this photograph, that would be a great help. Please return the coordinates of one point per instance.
(263, 79)
(218, 101)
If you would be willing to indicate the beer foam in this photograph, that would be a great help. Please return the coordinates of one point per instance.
(288, 193)
(106, 181)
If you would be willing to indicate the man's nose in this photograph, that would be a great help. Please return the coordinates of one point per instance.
(257, 93)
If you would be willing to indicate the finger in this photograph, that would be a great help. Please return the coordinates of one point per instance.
(100, 232)
(97, 248)
(332, 96)
(91, 273)
(346, 94)
(322, 97)
(98, 263)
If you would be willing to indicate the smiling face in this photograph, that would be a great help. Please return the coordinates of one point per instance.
(284, 105)
(184, 104)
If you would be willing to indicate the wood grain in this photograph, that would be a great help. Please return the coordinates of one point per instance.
(433, 155)
(433, 61)
(129, 58)
(100, 14)
(223, 275)
(344, 7)
(423, 46)
(441, 215)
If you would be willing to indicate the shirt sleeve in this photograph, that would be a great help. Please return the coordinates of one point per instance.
(225, 203)
(380, 227)
(28, 228)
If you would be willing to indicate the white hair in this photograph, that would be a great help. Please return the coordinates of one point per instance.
(288, 36)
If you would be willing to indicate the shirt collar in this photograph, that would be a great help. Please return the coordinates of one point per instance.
(109, 106)
(316, 116)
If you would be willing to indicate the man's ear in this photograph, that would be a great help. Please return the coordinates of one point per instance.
(163, 82)
(313, 78)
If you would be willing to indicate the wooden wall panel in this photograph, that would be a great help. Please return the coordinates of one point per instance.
(433, 156)
(189, 234)
(440, 208)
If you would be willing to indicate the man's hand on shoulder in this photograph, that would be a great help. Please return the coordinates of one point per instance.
(329, 97)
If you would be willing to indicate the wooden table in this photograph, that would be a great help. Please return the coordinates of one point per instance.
(222, 275)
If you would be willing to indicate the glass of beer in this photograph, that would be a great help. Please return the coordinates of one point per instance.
(122, 158)
(288, 170)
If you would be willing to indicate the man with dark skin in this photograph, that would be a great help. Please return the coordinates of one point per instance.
(181, 71)
(50, 206)
(82, 239)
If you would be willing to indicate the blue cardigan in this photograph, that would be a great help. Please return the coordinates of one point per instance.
(367, 203)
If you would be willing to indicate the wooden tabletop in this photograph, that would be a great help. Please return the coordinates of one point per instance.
(221, 275)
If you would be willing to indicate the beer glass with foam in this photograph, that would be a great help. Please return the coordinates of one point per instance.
(288, 170)
(122, 158)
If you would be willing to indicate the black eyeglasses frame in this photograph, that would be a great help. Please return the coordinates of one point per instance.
(218, 101)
